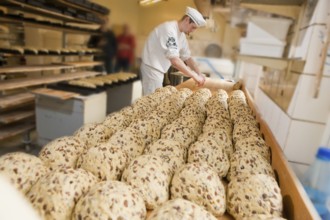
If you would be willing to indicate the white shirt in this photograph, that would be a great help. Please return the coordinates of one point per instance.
(165, 42)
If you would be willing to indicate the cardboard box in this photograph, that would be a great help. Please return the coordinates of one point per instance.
(262, 47)
(272, 29)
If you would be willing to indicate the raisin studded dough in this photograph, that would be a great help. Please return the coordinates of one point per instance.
(172, 152)
(218, 113)
(184, 135)
(236, 95)
(166, 89)
(221, 137)
(93, 134)
(167, 147)
(110, 200)
(209, 151)
(243, 131)
(194, 123)
(148, 129)
(198, 98)
(254, 194)
(149, 175)
(248, 162)
(217, 100)
(248, 119)
(116, 121)
(129, 141)
(212, 124)
(62, 152)
(22, 169)
(199, 183)
(55, 194)
(194, 111)
(105, 161)
(178, 209)
(143, 106)
(256, 144)
(185, 92)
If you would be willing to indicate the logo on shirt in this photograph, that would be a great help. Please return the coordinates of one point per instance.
(171, 43)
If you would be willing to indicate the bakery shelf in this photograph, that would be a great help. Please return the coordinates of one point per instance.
(10, 117)
(31, 68)
(34, 81)
(16, 53)
(55, 66)
(83, 64)
(16, 100)
(78, 7)
(275, 63)
(11, 131)
(50, 26)
(17, 5)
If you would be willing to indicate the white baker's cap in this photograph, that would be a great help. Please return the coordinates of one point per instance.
(196, 16)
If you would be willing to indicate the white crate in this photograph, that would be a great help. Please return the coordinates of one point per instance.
(261, 47)
(56, 118)
(272, 29)
(128, 93)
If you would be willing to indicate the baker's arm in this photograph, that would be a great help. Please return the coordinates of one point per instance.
(182, 67)
(193, 65)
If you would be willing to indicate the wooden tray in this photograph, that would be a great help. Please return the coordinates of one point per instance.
(296, 203)
(59, 94)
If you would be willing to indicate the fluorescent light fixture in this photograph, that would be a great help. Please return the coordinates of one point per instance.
(148, 2)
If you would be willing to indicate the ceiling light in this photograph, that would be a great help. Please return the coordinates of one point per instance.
(148, 2)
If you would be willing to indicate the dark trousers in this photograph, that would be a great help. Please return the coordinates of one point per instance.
(122, 64)
(107, 64)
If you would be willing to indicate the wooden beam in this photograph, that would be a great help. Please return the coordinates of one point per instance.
(274, 2)
(291, 11)
(276, 63)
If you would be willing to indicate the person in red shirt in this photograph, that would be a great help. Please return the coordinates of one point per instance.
(125, 51)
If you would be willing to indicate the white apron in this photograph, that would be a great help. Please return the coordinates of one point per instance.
(151, 79)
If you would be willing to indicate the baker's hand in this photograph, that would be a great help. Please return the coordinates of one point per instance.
(203, 79)
(199, 79)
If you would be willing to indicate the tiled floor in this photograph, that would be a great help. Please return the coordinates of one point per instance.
(16, 144)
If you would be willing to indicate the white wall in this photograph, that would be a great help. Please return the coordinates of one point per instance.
(122, 12)
(144, 19)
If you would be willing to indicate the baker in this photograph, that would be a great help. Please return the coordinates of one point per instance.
(167, 45)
